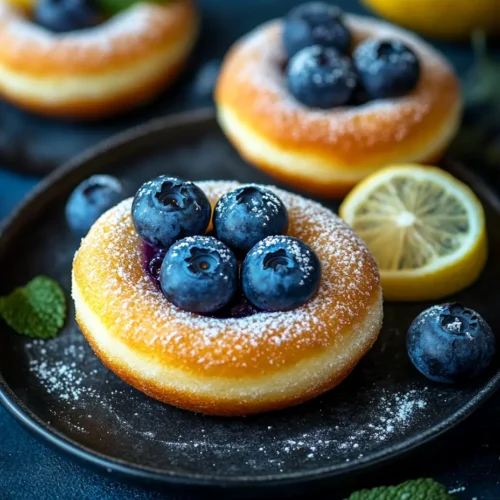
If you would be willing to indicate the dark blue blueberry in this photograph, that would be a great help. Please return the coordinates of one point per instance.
(359, 96)
(247, 215)
(321, 78)
(386, 68)
(66, 15)
(280, 273)
(90, 200)
(154, 264)
(199, 274)
(315, 23)
(167, 209)
(239, 307)
(450, 343)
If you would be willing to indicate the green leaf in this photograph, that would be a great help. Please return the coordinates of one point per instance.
(112, 7)
(482, 84)
(36, 310)
(417, 489)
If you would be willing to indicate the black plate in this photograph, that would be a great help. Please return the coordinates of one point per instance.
(62, 392)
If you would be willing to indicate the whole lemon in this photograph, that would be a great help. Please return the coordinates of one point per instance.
(447, 19)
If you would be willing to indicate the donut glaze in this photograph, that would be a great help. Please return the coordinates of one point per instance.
(231, 366)
(327, 152)
(98, 71)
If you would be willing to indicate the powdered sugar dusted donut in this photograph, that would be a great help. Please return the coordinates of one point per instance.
(228, 366)
(96, 71)
(326, 152)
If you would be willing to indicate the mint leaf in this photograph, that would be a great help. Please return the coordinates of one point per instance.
(481, 85)
(114, 6)
(37, 310)
(416, 489)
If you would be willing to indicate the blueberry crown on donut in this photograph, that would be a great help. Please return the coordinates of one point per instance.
(322, 74)
(200, 273)
(71, 15)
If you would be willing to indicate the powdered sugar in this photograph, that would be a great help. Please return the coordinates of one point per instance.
(64, 374)
(300, 254)
(119, 288)
(257, 65)
(141, 21)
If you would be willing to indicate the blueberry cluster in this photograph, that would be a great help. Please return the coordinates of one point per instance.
(66, 15)
(323, 73)
(248, 253)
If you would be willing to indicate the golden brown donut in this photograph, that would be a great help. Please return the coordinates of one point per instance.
(326, 152)
(98, 71)
(228, 366)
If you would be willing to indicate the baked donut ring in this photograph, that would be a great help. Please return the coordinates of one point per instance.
(98, 71)
(232, 366)
(326, 152)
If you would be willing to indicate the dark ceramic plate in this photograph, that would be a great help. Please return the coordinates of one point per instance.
(62, 392)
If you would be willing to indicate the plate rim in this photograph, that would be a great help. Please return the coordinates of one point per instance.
(45, 432)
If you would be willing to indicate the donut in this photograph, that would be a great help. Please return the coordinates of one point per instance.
(98, 71)
(326, 152)
(227, 366)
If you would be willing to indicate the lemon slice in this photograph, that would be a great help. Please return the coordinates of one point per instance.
(425, 228)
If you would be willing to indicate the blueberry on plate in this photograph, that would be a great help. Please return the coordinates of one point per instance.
(315, 23)
(386, 68)
(320, 77)
(280, 273)
(90, 200)
(450, 343)
(166, 209)
(66, 15)
(247, 215)
(199, 274)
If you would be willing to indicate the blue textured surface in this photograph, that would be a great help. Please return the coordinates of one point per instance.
(467, 460)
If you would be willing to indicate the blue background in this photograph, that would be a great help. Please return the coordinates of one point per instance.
(467, 460)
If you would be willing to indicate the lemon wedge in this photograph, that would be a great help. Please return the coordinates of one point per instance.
(425, 228)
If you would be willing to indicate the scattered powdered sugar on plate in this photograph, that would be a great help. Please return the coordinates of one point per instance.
(73, 375)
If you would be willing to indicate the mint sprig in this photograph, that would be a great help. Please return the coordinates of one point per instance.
(479, 137)
(37, 310)
(415, 489)
(111, 7)
(482, 85)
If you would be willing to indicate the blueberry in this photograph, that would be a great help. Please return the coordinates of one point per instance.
(66, 15)
(450, 343)
(321, 78)
(247, 215)
(315, 23)
(167, 209)
(359, 96)
(280, 273)
(154, 264)
(90, 200)
(199, 274)
(386, 68)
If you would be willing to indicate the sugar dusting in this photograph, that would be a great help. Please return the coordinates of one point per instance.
(348, 283)
(134, 23)
(64, 374)
(264, 59)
